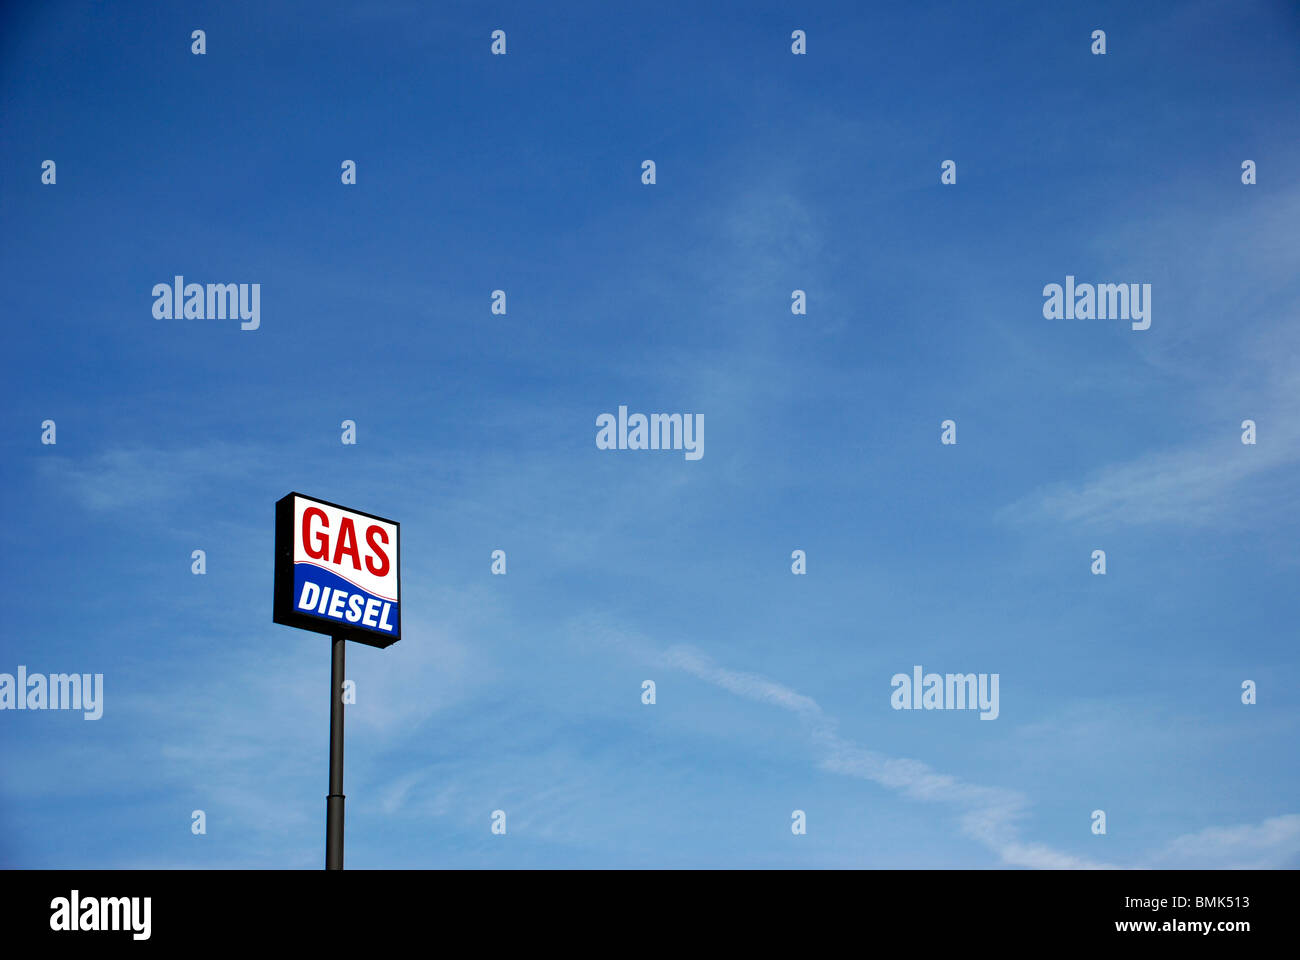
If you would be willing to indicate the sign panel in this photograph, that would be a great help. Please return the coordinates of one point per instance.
(337, 571)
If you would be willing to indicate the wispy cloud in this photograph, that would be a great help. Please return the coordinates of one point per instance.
(1273, 843)
(988, 815)
(1188, 486)
(1242, 369)
(124, 477)
(748, 685)
(1202, 482)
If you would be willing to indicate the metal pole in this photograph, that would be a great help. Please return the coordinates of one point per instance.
(334, 800)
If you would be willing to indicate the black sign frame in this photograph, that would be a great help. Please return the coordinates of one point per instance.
(283, 608)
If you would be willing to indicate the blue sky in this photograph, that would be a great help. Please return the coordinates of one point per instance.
(775, 172)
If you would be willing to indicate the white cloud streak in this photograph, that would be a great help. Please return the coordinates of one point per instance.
(988, 815)
(1275, 842)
